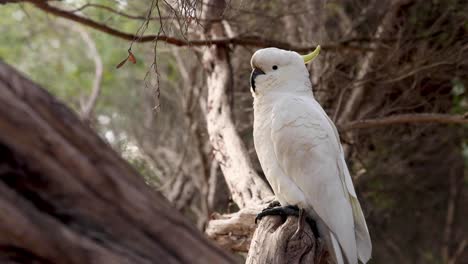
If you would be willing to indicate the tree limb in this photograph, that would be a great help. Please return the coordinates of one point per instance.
(406, 119)
(254, 41)
(88, 106)
(234, 231)
(277, 240)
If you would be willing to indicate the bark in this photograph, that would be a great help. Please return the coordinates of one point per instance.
(245, 185)
(66, 197)
(234, 231)
(278, 241)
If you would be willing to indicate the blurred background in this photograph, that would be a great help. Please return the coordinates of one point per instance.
(392, 75)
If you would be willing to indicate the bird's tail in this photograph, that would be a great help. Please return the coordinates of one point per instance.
(331, 242)
(338, 254)
(363, 241)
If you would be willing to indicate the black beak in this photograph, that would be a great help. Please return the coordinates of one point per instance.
(254, 75)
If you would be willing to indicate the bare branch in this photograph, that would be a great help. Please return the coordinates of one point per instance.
(277, 240)
(406, 119)
(234, 231)
(117, 12)
(88, 107)
(254, 41)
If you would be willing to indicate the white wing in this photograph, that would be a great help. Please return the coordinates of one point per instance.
(308, 151)
(363, 241)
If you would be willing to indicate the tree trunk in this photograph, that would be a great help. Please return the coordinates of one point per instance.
(278, 241)
(246, 187)
(66, 197)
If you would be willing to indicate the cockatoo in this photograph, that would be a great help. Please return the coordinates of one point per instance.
(301, 155)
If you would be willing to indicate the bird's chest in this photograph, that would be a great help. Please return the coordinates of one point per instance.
(285, 189)
(262, 138)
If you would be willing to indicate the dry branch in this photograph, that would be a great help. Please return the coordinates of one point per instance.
(234, 231)
(271, 241)
(406, 119)
(67, 197)
(254, 41)
(88, 107)
(278, 241)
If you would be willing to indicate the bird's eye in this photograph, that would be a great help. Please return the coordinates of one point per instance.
(274, 67)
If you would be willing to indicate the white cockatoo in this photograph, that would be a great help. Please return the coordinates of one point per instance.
(301, 155)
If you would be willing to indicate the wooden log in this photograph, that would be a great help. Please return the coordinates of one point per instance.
(67, 197)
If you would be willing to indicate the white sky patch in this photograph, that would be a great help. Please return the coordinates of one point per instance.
(122, 4)
(123, 136)
(110, 136)
(131, 151)
(75, 2)
(103, 120)
(18, 15)
(55, 43)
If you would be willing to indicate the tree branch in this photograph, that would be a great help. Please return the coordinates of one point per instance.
(234, 231)
(406, 119)
(88, 106)
(254, 41)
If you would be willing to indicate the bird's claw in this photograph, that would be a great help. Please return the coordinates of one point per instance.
(275, 209)
(272, 205)
(313, 226)
(279, 210)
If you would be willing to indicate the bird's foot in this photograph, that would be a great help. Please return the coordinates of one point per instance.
(300, 224)
(274, 208)
(279, 210)
(313, 226)
(272, 205)
(302, 220)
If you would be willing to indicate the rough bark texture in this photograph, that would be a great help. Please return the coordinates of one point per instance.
(271, 241)
(66, 197)
(234, 231)
(245, 185)
(278, 241)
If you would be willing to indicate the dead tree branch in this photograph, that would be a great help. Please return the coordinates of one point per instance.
(406, 119)
(88, 106)
(254, 41)
(276, 241)
(234, 231)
